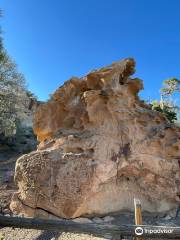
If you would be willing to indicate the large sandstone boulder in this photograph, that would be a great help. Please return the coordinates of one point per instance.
(100, 147)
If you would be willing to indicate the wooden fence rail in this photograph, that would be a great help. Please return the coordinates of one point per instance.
(101, 230)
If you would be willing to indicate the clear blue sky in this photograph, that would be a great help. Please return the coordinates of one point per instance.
(52, 40)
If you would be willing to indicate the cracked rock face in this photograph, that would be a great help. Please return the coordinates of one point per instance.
(100, 147)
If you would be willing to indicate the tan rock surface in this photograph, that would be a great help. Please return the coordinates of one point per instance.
(100, 147)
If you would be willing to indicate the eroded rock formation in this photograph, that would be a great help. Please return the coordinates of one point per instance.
(100, 147)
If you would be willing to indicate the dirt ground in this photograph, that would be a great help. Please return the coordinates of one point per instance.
(26, 234)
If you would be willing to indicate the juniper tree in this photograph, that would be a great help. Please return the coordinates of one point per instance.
(12, 92)
(167, 104)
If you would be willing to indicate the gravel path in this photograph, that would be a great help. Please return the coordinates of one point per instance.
(28, 234)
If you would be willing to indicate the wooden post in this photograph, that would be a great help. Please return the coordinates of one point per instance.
(138, 214)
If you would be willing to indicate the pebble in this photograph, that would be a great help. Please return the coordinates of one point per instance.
(172, 213)
(167, 217)
(97, 220)
(82, 220)
(108, 219)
